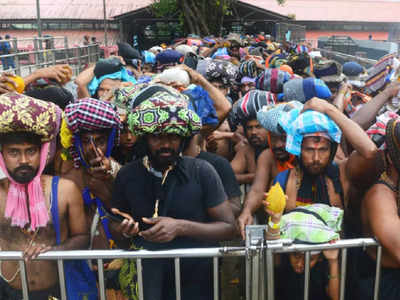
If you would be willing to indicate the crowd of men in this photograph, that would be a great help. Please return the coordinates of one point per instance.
(183, 146)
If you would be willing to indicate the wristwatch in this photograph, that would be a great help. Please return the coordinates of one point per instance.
(273, 225)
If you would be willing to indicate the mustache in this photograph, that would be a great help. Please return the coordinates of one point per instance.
(165, 150)
(278, 149)
(24, 168)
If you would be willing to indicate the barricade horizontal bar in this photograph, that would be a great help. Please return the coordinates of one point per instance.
(112, 254)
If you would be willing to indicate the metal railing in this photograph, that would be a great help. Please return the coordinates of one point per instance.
(26, 61)
(258, 253)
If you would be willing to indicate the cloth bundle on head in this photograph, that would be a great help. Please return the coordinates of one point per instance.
(108, 69)
(272, 80)
(269, 116)
(184, 49)
(329, 71)
(222, 70)
(301, 64)
(393, 146)
(276, 60)
(247, 107)
(300, 49)
(21, 113)
(304, 89)
(258, 51)
(308, 123)
(377, 75)
(313, 224)
(163, 113)
(377, 131)
(50, 91)
(174, 75)
(149, 58)
(169, 57)
(156, 49)
(221, 53)
(353, 72)
(249, 68)
(88, 115)
(128, 53)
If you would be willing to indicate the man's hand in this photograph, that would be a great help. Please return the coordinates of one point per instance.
(318, 105)
(33, 251)
(101, 165)
(392, 89)
(5, 82)
(165, 229)
(216, 136)
(331, 255)
(244, 219)
(60, 73)
(195, 77)
(128, 227)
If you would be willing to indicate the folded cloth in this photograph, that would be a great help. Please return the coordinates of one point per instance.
(377, 75)
(222, 70)
(301, 64)
(312, 224)
(298, 125)
(272, 80)
(248, 68)
(149, 57)
(269, 116)
(168, 56)
(246, 108)
(377, 131)
(329, 71)
(119, 75)
(128, 52)
(304, 89)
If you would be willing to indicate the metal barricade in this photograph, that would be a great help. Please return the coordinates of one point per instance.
(258, 253)
(260, 261)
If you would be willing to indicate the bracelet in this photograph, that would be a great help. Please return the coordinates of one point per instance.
(333, 277)
(273, 225)
(115, 167)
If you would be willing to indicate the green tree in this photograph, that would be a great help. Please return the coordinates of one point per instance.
(202, 17)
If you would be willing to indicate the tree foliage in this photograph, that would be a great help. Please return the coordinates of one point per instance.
(201, 17)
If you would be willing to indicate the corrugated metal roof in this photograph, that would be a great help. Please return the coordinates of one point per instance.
(68, 9)
(335, 10)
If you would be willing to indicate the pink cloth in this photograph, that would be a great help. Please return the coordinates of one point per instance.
(16, 208)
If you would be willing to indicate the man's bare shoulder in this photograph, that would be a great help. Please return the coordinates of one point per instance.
(379, 195)
(68, 190)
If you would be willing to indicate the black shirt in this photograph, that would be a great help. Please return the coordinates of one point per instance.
(190, 189)
(225, 172)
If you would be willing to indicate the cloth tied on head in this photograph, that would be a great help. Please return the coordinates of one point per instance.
(312, 224)
(272, 80)
(377, 131)
(378, 75)
(163, 113)
(89, 115)
(310, 122)
(121, 75)
(246, 108)
(329, 71)
(21, 113)
(149, 57)
(304, 89)
(169, 56)
(249, 68)
(222, 70)
(301, 64)
(353, 72)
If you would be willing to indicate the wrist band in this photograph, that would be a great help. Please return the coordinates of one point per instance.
(273, 234)
(273, 225)
(333, 277)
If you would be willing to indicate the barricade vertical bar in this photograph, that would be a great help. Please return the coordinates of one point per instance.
(61, 279)
(17, 65)
(307, 275)
(100, 271)
(216, 282)
(178, 278)
(262, 272)
(270, 274)
(24, 280)
(343, 273)
(255, 275)
(378, 272)
(248, 274)
(140, 277)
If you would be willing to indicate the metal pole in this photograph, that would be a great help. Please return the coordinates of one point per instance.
(39, 22)
(105, 23)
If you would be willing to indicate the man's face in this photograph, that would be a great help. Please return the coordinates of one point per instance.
(164, 149)
(147, 68)
(107, 85)
(278, 146)
(255, 133)
(234, 51)
(92, 140)
(246, 87)
(22, 161)
(127, 139)
(315, 154)
(219, 85)
(297, 261)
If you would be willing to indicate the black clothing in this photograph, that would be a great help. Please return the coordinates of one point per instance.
(190, 189)
(290, 285)
(225, 172)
